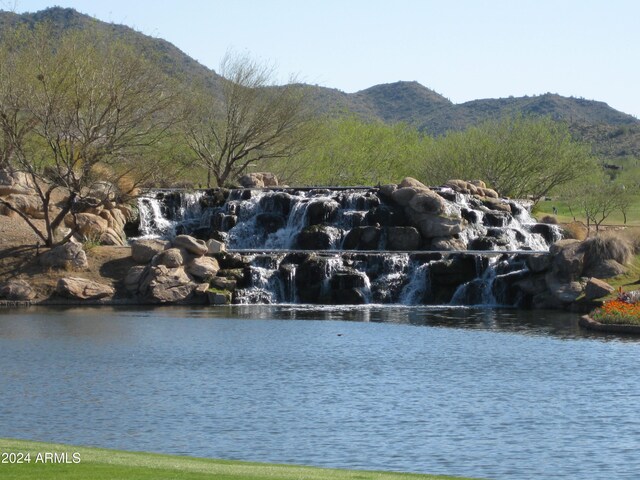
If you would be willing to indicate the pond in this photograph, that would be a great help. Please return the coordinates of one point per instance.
(500, 394)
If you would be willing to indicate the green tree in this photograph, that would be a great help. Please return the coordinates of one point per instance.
(73, 105)
(518, 156)
(350, 151)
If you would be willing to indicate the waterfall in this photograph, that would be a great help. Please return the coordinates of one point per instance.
(330, 245)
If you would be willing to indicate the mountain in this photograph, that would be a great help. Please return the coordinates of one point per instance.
(612, 133)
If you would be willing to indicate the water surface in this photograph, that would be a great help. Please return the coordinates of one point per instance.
(485, 393)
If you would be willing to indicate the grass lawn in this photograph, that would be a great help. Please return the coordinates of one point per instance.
(564, 214)
(101, 464)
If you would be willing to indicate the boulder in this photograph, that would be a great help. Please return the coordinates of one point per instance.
(15, 183)
(539, 262)
(191, 245)
(113, 237)
(563, 290)
(219, 297)
(102, 190)
(171, 258)
(403, 238)
(478, 183)
(426, 201)
(533, 284)
(310, 278)
(385, 191)
(17, 290)
(605, 269)
(82, 289)
(317, 237)
(69, 256)
(568, 259)
(133, 278)
(496, 204)
(223, 283)
(29, 205)
(203, 268)
(215, 246)
(412, 182)
(596, 288)
(321, 211)
(89, 225)
(496, 219)
(160, 284)
(362, 238)
(258, 180)
(402, 196)
(447, 244)
(386, 216)
(431, 226)
(278, 203)
(229, 260)
(142, 251)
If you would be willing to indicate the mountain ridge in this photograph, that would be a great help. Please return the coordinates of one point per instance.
(402, 101)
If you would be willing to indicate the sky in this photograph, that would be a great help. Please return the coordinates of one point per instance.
(462, 49)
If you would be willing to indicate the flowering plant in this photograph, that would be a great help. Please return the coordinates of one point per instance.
(625, 309)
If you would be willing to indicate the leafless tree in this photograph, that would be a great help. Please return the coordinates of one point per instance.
(250, 120)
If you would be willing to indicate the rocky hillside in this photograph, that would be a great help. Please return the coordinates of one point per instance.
(613, 134)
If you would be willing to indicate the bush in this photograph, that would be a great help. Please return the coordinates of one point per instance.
(575, 230)
(551, 220)
(601, 248)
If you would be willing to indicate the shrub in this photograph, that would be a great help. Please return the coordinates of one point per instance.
(575, 230)
(601, 248)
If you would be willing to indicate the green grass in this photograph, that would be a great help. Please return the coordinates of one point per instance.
(564, 215)
(101, 464)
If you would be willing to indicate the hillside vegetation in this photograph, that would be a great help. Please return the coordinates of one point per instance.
(611, 133)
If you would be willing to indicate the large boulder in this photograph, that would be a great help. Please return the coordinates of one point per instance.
(402, 196)
(15, 183)
(69, 256)
(317, 237)
(89, 225)
(596, 288)
(604, 269)
(215, 246)
(321, 211)
(403, 238)
(29, 205)
(203, 268)
(17, 290)
(258, 180)
(565, 291)
(143, 250)
(113, 237)
(191, 245)
(362, 238)
(431, 226)
(568, 259)
(133, 278)
(82, 289)
(171, 258)
(161, 284)
(426, 201)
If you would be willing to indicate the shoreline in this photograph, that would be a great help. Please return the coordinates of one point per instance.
(55, 460)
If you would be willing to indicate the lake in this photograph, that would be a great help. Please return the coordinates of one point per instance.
(500, 394)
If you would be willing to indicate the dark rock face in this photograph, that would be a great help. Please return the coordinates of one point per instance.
(310, 276)
(386, 216)
(278, 203)
(324, 211)
(362, 238)
(403, 238)
(547, 231)
(495, 219)
(317, 237)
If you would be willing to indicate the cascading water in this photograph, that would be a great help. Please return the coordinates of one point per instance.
(343, 239)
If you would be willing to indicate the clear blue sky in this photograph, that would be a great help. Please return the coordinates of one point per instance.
(463, 49)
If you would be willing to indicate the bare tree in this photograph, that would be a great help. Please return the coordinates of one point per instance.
(69, 108)
(251, 120)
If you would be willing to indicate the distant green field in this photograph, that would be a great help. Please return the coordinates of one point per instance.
(564, 215)
(101, 464)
